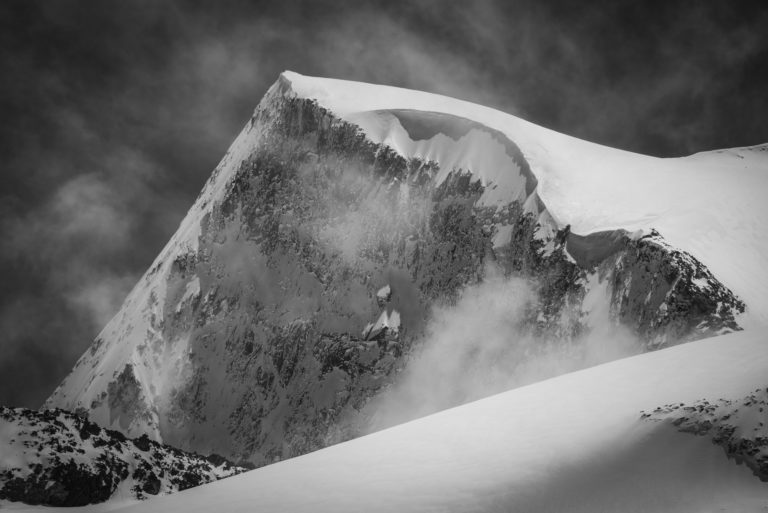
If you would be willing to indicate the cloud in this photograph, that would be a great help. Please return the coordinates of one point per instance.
(68, 261)
(101, 297)
(481, 346)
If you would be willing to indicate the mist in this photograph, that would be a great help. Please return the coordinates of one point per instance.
(481, 346)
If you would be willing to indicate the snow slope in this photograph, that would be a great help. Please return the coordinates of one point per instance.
(572, 443)
(710, 204)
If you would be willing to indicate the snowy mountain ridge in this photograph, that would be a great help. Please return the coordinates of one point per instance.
(258, 332)
(592, 187)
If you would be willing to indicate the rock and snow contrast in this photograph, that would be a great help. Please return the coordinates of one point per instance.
(305, 280)
(56, 458)
(740, 426)
(574, 443)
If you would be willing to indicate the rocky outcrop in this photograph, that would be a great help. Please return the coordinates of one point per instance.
(262, 325)
(56, 458)
(740, 426)
(665, 294)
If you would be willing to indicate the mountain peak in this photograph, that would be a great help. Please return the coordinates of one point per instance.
(258, 332)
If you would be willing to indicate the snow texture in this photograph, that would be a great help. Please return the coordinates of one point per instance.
(573, 443)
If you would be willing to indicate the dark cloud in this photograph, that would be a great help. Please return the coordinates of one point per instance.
(114, 114)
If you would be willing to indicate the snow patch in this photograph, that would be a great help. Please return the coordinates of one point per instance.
(191, 291)
(384, 293)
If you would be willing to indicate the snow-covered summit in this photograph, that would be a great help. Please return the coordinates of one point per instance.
(262, 328)
(710, 204)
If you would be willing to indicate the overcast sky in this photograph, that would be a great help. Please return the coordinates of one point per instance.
(115, 112)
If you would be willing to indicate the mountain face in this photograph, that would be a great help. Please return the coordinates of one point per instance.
(56, 458)
(305, 273)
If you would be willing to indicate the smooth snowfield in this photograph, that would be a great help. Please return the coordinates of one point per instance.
(710, 204)
(572, 443)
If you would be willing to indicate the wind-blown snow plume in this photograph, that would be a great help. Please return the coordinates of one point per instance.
(480, 346)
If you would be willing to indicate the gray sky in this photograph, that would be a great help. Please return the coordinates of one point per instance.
(115, 113)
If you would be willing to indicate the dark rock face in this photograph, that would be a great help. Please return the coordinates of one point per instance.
(740, 427)
(321, 208)
(55, 458)
(271, 331)
(334, 217)
(663, 294)
(667, 294)
(124, 395)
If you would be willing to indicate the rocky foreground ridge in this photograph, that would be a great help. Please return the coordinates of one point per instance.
(56, 458)
(739, 426)
(304, 275)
